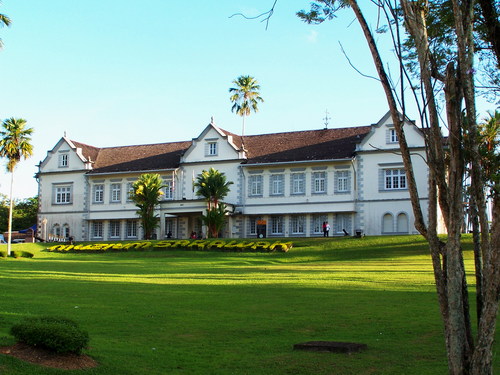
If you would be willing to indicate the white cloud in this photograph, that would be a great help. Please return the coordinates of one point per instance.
(312, 37)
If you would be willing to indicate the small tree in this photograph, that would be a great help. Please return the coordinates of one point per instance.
(14, 145)
(213, 186)
(146, 195)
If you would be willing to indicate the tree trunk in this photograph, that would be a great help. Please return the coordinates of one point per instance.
(11, 209)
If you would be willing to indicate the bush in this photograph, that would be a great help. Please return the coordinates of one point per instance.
(60, 335)
(15, 254)
(27, 254)
(3, 254)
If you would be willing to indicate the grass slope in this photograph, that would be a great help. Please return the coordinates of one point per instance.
(187, 312)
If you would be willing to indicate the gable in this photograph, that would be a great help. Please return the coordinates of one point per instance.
(382, 136)
(65, 156)
(213, 144)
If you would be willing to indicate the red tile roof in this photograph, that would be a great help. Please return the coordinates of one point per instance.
(309, 145)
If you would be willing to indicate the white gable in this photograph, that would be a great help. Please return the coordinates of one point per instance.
(65, 156)
(211, 145)
(382, 136)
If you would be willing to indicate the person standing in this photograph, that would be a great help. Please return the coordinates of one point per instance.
(327, 230)
(324, 228)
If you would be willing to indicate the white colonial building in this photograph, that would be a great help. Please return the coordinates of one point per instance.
(353, 178)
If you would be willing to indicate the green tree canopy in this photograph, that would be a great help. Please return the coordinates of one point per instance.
(146, 194)
(245, 97)
(214, 187)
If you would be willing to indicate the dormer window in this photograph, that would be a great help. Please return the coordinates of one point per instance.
(63, 160)
(212, 149)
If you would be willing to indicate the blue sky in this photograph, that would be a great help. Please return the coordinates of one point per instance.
(111, 72)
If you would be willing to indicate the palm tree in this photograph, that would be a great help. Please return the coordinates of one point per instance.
(14, 145)
(4, 21)
(146, 195)
(213, 186)
(245, 97)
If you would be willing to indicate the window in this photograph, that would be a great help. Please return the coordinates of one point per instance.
(395, 179)
(169, 227)
(297, 225)
(97, 229)
(252, 224)
(317, 223)
(114, 229)
(130, 191)
(131, 229)
(62, 194)
(342, 183)
(402, 223)
(298, 182)
(56, 230)
(277, 225)
(116, 193)
(277, 184)
(168, 190)
(343, 222)
(387, 223)
(63, 160)
(65, 231)
(99, 193)
(255, 186)
(211, 149)
(319, 182)
(392, 136)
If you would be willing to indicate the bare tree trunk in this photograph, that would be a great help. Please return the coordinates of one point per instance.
(11, 208)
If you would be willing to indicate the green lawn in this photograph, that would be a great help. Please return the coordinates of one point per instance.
(190, 312)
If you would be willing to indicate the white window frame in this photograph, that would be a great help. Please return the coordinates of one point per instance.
(317, 224)
(131, 229)
(63, 194)
(115, 195)
(393, 136)
(342, 181)
(298, 224)
(168, 190)
(97, 229)
(277, 182)
(63, 160)
(298, 182)
(277, 225)
(98, 193)
(130, 190)
(114, 229)
(319, 182)
(255, 186)
(394, 179)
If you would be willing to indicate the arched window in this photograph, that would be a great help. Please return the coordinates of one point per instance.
(402, 223)
(56, 230)
(65, 231)
(388, 223)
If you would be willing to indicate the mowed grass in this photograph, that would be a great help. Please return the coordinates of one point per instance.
(191, 312)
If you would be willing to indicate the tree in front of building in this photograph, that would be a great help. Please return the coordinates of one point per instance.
(146, 193)
(15, 144)
(213, 186)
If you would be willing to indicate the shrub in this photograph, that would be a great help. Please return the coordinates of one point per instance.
(3, 254)
(27, 254)
(15, 254)
(60, 335)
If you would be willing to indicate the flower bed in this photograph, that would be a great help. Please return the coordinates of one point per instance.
(208, 245)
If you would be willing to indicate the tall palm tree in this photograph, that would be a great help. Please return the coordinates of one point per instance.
(14, 145)
(213, 186)
(146, 194)
(245, 97)
(4, 21)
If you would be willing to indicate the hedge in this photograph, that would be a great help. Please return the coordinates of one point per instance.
(208, 245)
